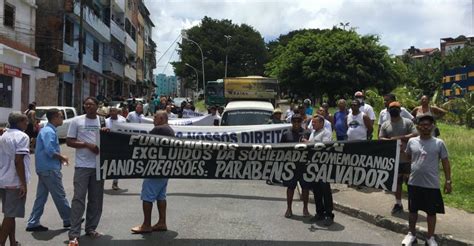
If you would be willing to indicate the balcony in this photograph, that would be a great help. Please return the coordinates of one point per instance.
(130, 44)
(119, 5)
(117, 32)
(130, 73)
(93, 23)
(113, 67)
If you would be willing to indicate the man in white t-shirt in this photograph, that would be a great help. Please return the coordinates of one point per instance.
(114, 118)
(137, 115)
(327, 123)
(14, 174)
(365, 108)
(82, 136)
(216, 119)
(170, 114)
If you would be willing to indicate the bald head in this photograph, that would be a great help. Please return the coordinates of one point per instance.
(161, 118)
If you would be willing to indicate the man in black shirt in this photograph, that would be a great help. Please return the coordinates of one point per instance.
(294, 136)
(154, 189)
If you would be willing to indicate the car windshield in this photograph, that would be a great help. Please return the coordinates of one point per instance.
(41, 114)
(245, 117)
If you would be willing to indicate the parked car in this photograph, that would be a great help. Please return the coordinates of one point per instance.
(68, 112)
(246, 113)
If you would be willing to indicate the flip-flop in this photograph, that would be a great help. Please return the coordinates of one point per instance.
(159, 228)
(94, 234)
(140, 230)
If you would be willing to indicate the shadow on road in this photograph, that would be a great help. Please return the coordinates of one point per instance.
(48, 235)
(261, 198)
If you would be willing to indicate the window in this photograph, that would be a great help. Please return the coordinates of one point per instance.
(6, 91)
(69, 113)
(9, 15)
(69, 33)
(463, 76)
(96, 51)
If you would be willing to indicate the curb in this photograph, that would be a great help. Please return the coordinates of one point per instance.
(391, 224)
(396, 226)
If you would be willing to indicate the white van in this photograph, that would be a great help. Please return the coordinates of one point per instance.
(246, 113)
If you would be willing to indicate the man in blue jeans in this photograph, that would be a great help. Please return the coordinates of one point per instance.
(48, 161)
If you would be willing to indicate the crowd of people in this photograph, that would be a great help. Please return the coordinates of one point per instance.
(420, 152)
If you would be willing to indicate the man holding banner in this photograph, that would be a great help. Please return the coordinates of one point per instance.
(322, 190)
(294, 136)
(154, 189)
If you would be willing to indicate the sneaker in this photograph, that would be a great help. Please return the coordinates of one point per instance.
(431, 242)
(328, 220)
(409, 240)
(37, 228)
(73, 242)
(397, 209)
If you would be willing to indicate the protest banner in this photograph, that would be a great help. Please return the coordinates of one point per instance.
(204, 120)
(368, 163)
(270, 133)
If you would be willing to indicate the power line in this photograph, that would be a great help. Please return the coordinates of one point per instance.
(174, 50)
(168, 48)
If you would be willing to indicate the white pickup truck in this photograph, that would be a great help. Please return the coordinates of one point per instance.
(68, 112)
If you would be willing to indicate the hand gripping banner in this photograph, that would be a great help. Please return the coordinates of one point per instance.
(368, 163)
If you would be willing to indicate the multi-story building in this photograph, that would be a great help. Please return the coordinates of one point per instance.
(166, 85)
(18, 59)
(416, 53)
(458, 81)
(450, 44)
(112, 40)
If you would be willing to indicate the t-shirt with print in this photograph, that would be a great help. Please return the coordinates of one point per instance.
(85, 130)
(13, 142)
(398, 128)
(425, 156)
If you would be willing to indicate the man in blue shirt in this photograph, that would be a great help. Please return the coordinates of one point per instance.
(48, 161)
(340, 118)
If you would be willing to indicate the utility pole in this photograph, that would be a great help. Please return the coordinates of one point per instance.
(81, 62)
(227, 52)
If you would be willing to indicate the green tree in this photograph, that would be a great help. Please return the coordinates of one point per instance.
(331, 62)
(245, 49)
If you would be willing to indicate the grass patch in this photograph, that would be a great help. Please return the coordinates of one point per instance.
(460, 143)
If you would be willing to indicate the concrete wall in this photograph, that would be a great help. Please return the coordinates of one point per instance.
(47, 91)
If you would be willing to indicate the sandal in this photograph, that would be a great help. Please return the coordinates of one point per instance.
(141, 230)
(157, 227)
(94, 234)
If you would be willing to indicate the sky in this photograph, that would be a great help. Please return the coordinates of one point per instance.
(399, 23)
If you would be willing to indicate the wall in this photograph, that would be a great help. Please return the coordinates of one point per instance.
(25, 22)
(47, 91)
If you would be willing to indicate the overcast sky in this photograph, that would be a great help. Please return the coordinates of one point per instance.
(399, 23)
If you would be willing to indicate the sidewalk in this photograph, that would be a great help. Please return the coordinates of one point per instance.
(455, 227)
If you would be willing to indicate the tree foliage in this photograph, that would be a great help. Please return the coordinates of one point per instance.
(245, 49)
(331, 62)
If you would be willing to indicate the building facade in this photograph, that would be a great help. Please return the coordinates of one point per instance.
(111, 43)
(166, 85)
(458, 81)
(450, 44)
(18, 59)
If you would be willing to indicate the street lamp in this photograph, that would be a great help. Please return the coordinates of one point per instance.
(185, 36)
(197, 76)
(226, 53)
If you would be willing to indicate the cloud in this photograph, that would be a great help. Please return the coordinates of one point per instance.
(399, 23)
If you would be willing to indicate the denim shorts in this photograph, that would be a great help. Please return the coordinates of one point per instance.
(154, 190)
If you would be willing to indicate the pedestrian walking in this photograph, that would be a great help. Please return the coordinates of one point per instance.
(82, 135)
(398, 128)
(154, 189)
(14, 174)
(424, 191)
(48, 162)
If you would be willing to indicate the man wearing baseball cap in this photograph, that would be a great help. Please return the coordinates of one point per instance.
(398, 128)
(424, 192)
(276, 117)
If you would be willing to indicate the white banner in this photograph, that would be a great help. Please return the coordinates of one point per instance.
(235, 134)
(205, 120)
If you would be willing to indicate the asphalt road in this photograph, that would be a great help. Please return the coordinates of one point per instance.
(205, 212)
